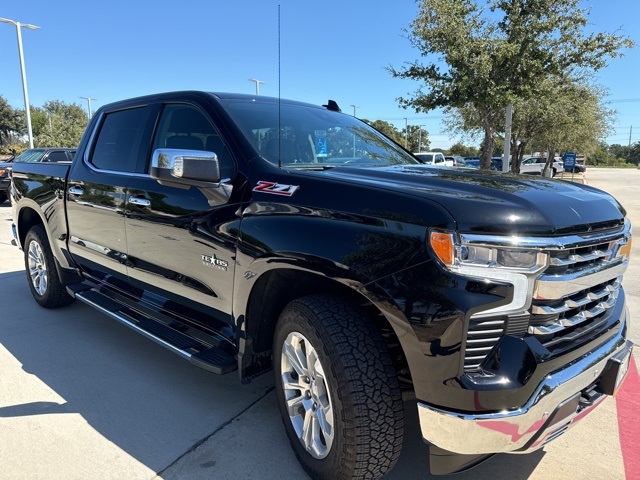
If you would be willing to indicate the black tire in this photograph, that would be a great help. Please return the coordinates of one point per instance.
(42, 275)
(362, 385)
(553, 172)
(3, 197)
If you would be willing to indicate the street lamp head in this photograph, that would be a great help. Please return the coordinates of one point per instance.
(23, 25)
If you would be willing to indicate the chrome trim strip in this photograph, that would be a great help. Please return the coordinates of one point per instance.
(507, 431)
(546, 243)
(555, 287)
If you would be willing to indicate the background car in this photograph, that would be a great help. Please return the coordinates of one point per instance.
(34, 155)
(5, 181)
(472, 162)
(534, 166)
(577, 168)
(433, 158)
(457, 160)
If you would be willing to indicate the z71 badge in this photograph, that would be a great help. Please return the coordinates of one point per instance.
(276, 188)
(213, 261)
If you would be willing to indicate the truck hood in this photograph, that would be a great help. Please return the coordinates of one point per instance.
(497, 203)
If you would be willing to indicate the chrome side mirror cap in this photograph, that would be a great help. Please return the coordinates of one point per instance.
(198, 168)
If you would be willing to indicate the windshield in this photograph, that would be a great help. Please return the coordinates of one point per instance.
(425, 157)
(313, 137)
(30, 156)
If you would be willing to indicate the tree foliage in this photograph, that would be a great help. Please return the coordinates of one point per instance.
(417, 138)
(12, 125)
(57, 124)
(463, 150)
(615, 155)
(387, 129)
(494, 52)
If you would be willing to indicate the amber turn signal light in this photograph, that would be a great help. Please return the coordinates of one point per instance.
(442, 245)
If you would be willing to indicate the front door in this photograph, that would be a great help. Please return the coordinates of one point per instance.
(180, 239)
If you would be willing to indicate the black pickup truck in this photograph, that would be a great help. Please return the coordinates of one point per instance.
(255, 234)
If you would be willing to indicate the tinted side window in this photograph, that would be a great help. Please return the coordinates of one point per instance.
(116, 147)
(186, 127)
(57, 157)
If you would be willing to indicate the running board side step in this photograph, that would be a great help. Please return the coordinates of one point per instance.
(211, 358)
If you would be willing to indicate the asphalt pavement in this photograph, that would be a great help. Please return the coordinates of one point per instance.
(83, 397)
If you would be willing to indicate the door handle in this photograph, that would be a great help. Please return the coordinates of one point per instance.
(140, 202)
(76, 191)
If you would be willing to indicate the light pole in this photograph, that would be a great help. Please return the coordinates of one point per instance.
(406, 127)
(88, 99)
(420, 139)
(354, 135)
(24, 74)
(258, 82)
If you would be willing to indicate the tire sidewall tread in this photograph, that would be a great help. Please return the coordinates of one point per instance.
(56, 294)
(364, 388)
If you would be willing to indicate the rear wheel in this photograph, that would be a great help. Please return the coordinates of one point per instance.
(337, 390)
(42, 276)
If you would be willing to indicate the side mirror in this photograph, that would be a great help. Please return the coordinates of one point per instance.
(185, 168)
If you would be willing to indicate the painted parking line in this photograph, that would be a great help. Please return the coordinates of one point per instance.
(628, 404)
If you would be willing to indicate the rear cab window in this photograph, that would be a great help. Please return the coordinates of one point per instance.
(117, 145)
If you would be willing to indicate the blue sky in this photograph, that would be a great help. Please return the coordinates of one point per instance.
(334, 49)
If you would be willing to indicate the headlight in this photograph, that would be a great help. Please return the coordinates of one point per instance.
(456, 255)
(507, 264)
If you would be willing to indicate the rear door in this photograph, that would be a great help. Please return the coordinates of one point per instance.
(96, 191)
(180, 239)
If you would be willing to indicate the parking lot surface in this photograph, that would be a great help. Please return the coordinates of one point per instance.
(83, 397)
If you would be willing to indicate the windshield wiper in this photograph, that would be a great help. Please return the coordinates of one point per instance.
(311, 167)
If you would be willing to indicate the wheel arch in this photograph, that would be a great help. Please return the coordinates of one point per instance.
(30, 215)
(274, 289)
(27, 218)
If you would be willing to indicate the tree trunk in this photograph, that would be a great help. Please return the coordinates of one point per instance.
(487, 148)
(516, 156)
(551, 153)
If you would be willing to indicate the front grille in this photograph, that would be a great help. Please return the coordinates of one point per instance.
(572, 298)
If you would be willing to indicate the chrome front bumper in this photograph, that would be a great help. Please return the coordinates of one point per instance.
(559, 402)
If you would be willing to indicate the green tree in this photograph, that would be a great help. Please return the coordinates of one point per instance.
(634, 154)
(417, 138)
(621, 151)
(388, 130)
(489, 57)
(12, 124)
(563, 117)
(462, 150)
(57, 124)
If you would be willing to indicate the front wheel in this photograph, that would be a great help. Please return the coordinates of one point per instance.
(42, 276)
(337, 390)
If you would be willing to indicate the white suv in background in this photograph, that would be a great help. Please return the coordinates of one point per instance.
(433, 158)
(534, 165)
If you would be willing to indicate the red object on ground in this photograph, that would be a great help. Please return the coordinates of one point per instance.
(628, 404)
